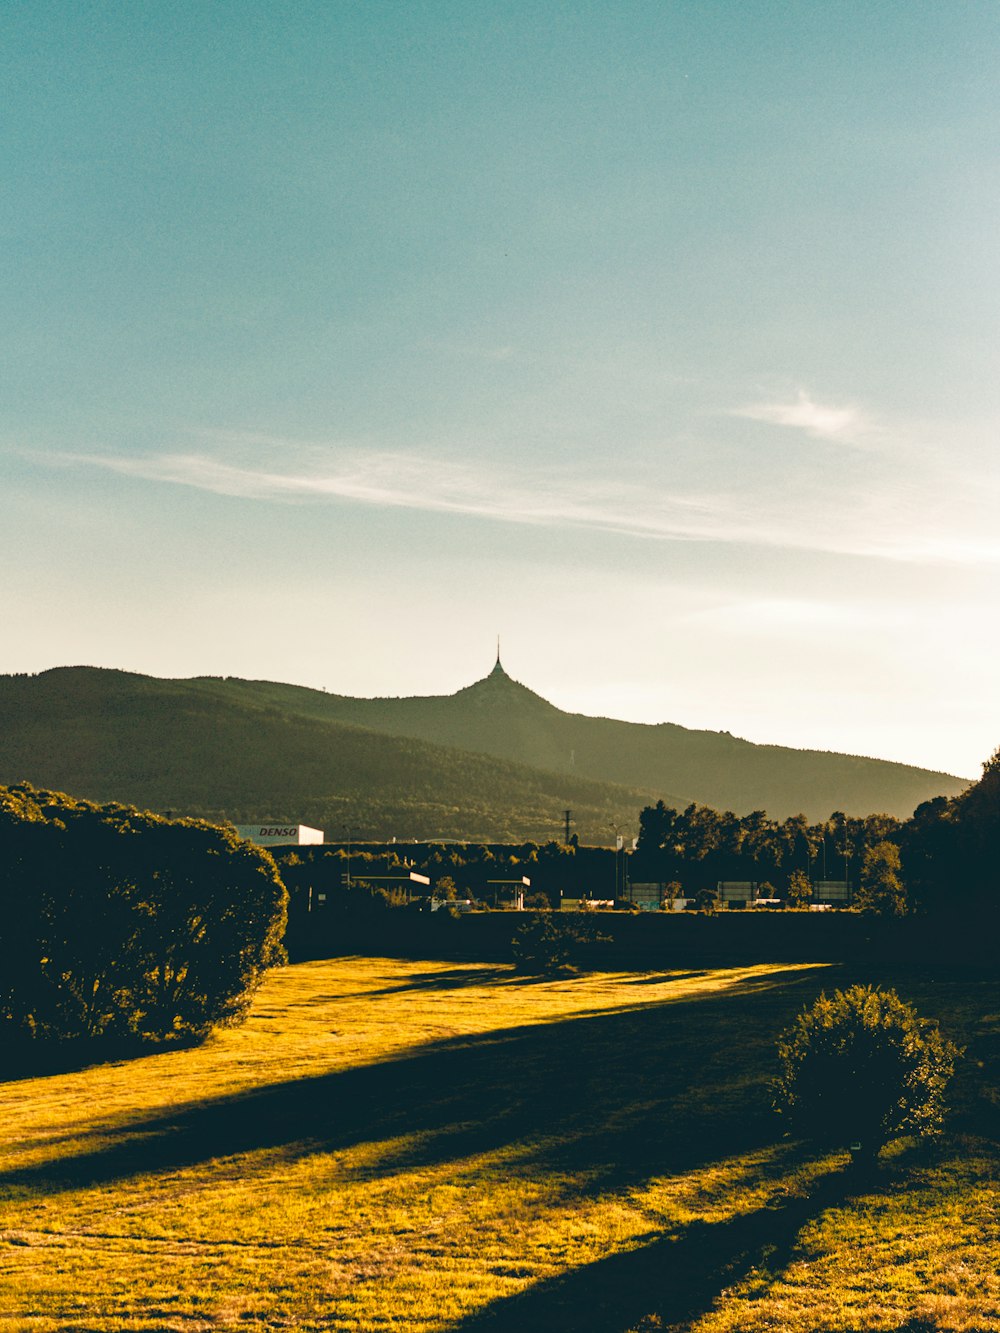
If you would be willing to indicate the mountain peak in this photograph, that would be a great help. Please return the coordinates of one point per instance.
(498, 676)
(499, 690)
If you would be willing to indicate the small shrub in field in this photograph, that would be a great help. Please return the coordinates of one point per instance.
(548, 944)
(860, 1068)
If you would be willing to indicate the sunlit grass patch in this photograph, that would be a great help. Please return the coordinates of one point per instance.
(397, 1145)
(920, 1247)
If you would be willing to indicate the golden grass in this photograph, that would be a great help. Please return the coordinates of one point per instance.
(410, 1146)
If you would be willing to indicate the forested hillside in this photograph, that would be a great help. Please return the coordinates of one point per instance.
(499, 716)
(493, 762)
(191, 748)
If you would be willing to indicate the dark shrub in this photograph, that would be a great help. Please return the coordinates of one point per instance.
(117, 923)
(549, 943)
(542, 946)
(860, 1068)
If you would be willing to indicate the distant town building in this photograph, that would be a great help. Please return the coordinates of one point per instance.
(834, 892)
(736, 893)
(509, 893)
(281, 835)
(647, 896)
(656, 896)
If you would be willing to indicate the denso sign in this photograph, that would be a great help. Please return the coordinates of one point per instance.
(269, 834)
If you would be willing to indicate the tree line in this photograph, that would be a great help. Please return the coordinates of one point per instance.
(944, 856)
(697, 847)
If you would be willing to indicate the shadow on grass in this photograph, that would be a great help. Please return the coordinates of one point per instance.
(667, 1283)
(447, 978)
(657, 978)
(42, 1059)
(594, 1104)
(606, 1099)
(493, 975)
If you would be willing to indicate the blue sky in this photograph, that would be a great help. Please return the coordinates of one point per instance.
(659, 337)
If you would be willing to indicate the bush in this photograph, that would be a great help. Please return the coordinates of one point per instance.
(537, 902)
(549, 944)
(117, 923)
(861, 1068)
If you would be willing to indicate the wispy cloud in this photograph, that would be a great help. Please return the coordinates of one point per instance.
(409, 481)
(820, 420)
(847, 515)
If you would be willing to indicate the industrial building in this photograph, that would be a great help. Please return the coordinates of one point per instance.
(281, 835)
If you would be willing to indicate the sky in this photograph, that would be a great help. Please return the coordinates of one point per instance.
(660, 338)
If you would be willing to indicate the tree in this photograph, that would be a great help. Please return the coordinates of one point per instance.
(882, 892)
(799, 889)
(707, 901)
(446, 889)
(860, 1068)
(930, 856)
(537, 902)
(214, 910)
(977, 817)
(118, 922)
(671, 893)
(949, 850)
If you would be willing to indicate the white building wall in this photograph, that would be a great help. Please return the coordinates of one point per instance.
(281, 835)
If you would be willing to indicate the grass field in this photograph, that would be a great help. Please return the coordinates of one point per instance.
(418, 1146)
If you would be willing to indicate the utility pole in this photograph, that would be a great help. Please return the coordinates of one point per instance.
(567, 815)
(619, 846)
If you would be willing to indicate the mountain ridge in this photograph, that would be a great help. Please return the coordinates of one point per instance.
(547, 751)
(498, 715)
(109, 735)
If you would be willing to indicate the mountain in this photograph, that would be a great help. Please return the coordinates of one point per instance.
(202, 748)
(493, 762)
(500, 717)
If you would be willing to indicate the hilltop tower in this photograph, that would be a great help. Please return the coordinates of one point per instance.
(498, 666)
